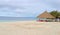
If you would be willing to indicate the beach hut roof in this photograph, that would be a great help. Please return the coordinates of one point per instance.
(45, 15)
(59, 16)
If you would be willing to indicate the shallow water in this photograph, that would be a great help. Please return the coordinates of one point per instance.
(17, 18)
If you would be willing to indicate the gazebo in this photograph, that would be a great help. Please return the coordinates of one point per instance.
(45, 16)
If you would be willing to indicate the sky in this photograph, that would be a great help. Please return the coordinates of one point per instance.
(27, 8)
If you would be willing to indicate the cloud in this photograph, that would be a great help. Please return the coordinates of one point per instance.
(26, 8)
(53, 3)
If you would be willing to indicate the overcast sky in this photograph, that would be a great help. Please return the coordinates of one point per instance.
(27, 8)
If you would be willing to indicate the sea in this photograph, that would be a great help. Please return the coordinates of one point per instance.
(17, 19)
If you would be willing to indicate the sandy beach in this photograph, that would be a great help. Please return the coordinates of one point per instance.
(29, 28)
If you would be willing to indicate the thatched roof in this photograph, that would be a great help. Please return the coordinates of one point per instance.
(45, 15)
(58, 16)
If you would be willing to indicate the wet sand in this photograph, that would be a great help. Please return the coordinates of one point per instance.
(29, 28)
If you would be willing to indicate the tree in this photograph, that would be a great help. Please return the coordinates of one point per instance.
(58, 14)
(55, 13)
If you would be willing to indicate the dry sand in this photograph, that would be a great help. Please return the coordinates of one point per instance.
(29, 28)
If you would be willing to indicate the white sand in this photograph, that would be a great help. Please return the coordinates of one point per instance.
(29, 28)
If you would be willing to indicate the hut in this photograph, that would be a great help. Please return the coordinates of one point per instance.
(45, 17)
